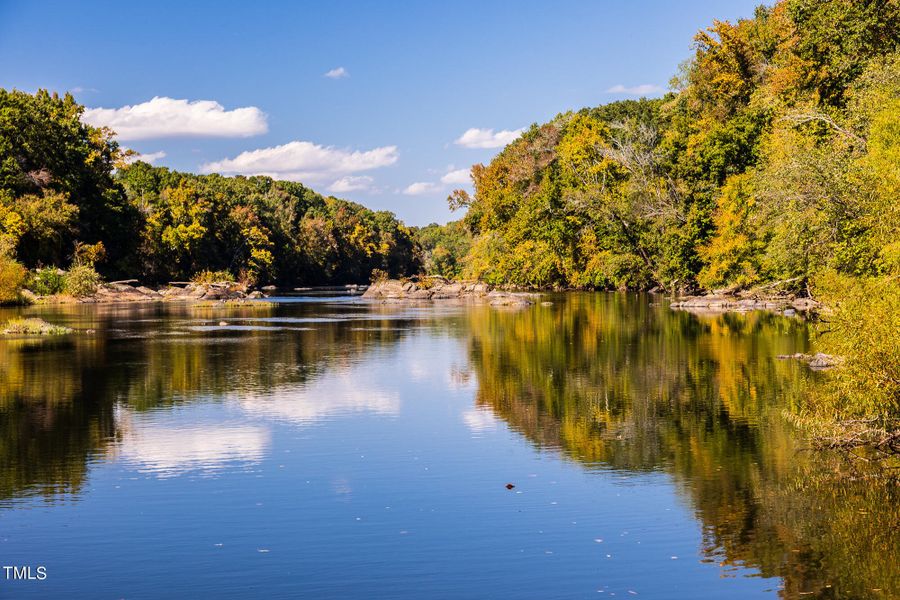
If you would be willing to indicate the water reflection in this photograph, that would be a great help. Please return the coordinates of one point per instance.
(615, 383)
(168, 443)
(342, 391)
(612, 382)
(480, 420)
(66, 401)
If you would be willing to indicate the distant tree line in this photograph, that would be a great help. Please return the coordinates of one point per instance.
(68, 194)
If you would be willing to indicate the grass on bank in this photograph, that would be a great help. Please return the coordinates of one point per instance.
(33, 327)
(232, 303)
(213, 277)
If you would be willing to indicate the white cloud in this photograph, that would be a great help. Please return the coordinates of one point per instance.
(304, 161)
(459, 176)
(351, 184)
(451, 177)
(487, 138)
(644, 89)
(149, 157)
(419, 188)
(338, 73)
(168, 117)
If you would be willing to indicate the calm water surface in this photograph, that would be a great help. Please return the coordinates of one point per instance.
(330, 448)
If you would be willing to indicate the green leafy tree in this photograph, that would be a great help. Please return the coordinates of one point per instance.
(56, 173)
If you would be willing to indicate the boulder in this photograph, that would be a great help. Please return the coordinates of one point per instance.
(388, 288)
(438, 288)
(148, 292)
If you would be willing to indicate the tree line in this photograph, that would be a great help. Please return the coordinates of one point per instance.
(774, 157)
(773, 164)
(69, 195)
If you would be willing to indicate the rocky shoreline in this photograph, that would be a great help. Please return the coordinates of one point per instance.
(116, 292)
(437, 288)
(406, 290)
(731, 303)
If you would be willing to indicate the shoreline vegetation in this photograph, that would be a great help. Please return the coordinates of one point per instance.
(766, 178)
(31, 327)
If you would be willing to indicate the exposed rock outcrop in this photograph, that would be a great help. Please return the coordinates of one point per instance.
(436, 288)
(729, 303)
(184, 292)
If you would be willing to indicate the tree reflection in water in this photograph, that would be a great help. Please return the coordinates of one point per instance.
(611, 381)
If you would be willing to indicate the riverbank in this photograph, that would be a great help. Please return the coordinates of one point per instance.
(122, 292)
(438, 288)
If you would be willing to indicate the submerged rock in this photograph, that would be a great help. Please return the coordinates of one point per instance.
(817, 361)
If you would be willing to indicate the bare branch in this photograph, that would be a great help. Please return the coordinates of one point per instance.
(800, 118)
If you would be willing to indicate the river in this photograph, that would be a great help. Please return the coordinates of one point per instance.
(327, 447)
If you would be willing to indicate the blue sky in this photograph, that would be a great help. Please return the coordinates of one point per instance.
(407, 80)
